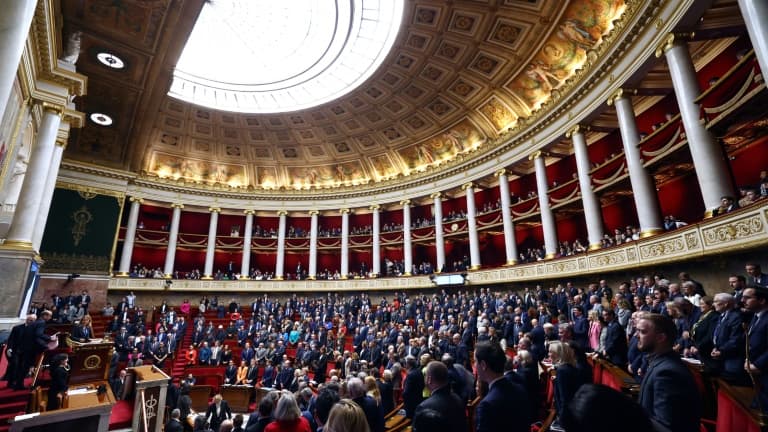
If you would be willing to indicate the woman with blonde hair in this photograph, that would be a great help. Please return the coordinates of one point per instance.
(566, 378)
(83, 332)
(287, 415)
(346, 416)
(372, 389)
(595, 328)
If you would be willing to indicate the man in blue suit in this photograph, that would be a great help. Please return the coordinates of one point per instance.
(756, 301)
(615, 340)
(728, 338)
(668, 392)
(505, 407)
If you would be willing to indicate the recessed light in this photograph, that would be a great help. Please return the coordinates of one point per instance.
(110, 60)
(101, 119)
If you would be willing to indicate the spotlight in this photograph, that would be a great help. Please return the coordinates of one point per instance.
(72, 277)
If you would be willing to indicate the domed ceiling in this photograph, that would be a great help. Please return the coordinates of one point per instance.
(458, 80)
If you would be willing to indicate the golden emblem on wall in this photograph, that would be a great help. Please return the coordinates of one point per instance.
(82, 218)
(92, 362)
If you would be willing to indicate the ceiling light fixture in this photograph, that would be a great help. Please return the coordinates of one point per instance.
(110, 60)
(101, 119)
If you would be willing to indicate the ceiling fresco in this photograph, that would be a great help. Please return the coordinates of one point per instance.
(460, 75)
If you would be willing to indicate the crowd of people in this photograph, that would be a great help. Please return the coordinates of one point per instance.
(437, 352)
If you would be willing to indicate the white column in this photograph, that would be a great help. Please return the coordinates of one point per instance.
(130, 236)
(547, 217)
(344, 243)
(407, 248)
(510, 242)
(708, 157)
(376, 241)
(643, 186)
(21, 233)
(437, 199)
(593, 214)
(211, 249)
(15, 22)
(245, 264)
(755, 14)
(474, 241)
(313, 245)
(50, 187)
(280, 263)
(173, 238)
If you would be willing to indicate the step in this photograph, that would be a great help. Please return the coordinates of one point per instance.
(13, 407)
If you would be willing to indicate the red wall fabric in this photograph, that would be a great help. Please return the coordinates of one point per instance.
(620, 214)
(602, 149)
(681, 198)
(749, 161)
(194, 222)
(153, 217)
(720, 65)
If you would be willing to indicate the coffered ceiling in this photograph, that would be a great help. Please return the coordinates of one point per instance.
(461, 74)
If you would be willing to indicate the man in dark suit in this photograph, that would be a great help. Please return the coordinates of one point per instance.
(728, 339)
(174, 424)
(413, 386)
(35, 340)
(727, 205)
(118, 385)
(230, 373)
(668, 392)
(615, 340)
(373, 414)
(505, 405)
(16, 371)
(756, 301)
(321, 366)
(442, 399)
(285, 376)
(217, 412)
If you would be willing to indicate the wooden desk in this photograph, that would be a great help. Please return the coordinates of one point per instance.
(238, 397)
(200, 394)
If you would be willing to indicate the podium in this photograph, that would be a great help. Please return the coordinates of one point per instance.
(150, 386)
(89, 361)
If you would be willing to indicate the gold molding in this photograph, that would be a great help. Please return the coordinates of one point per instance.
(18, 245)
(282, 213)
(177, 205)
(314, 212)
(474, 267)
(550, 256)
(535, 155)
(512, 262)
(500, 172)
(620, 93)
(134, 199)
(578, 128)
(467, 185)
(405, 203)
(671, 40)
(435, 195)
(375, 207)
(344, 211)
(214, 209)
(53, 108)
(595, 246)
(650, 232)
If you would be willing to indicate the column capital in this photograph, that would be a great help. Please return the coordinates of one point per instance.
(136, 199)
(467, 185)
(576, 129)
(435, 195)
(375, 207)
(314, 212)
(214, 209)
(501, 172)
(344, 211)
(671, 40)
(535, 155)
(405, 203)
(249, 212)
(62, 142)
(620, 93)
(282, 213)
(177, 205)
(53, 108)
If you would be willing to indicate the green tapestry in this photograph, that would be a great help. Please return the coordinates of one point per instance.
(80, 233)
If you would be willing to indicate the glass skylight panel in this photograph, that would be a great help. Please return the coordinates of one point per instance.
(263, 56)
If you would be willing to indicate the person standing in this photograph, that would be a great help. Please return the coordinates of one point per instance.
(59, 381)
(668, 392)
(442, 399)
(174, 424)
(506, 404)
(15, 352)
(217, 412)
(756, 301)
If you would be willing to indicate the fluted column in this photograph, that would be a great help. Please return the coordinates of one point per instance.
(376, 241)
(15, 22)
(474, 241)
(344, 243)
(755, 14)
(547, 217)
(593, 214)
(407, 248)
(245, 266)
(22, 230)
(643, 186)
(173, 238)
(510, 242)
(130, 237)
(709, 161)
(50, 187)
(280, 263)
(437, 199)
(313, 245)
(211, 248)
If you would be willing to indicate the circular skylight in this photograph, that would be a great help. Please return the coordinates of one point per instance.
(267, 56)
(110, 60)
(101, 119)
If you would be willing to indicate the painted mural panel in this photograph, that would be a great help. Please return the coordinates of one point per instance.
(171, 166)
(459, 138)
